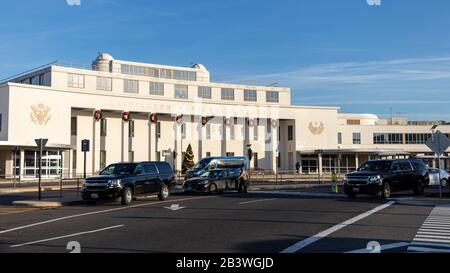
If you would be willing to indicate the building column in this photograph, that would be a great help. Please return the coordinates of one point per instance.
(224, 138)
(125, 129)
(356, 161)
(177, 148)
(95, 146)
(22, 164)
(70, 168)
(200, 138)
(274, 138)
(320, 164)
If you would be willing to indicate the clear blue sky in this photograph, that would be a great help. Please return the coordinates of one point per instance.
(365, 59)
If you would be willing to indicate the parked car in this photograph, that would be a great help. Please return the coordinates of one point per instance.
(214, 181)
(127, 180)
(437, 175)
(385, 176)
(214, 163)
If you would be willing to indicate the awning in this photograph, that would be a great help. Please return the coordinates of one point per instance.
(12, 144)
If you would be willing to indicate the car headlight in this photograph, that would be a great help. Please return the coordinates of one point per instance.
(375, 179)
(83, 184)
(114, 183)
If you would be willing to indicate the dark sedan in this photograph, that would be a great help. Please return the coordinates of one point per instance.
(215, 181)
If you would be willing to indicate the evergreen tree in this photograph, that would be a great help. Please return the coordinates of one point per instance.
(188, 160)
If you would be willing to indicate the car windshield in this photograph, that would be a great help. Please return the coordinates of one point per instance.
(118, 169)
(211, 174)
(376, 166)
(202, 164)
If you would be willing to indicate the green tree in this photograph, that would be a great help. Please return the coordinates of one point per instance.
(188, 160)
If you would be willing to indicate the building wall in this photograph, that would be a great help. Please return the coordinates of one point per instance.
(4, 111)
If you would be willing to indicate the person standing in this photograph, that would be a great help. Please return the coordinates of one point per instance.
(242, 182)
(297, 167)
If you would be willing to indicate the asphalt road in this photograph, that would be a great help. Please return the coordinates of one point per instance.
(310, 221)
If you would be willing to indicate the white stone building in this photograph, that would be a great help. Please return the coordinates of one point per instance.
(136, 111)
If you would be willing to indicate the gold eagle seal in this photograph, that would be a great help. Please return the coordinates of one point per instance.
(40, 114)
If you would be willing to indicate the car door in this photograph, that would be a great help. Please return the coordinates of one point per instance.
(153, 180)
(396, 175)
(221, 180)
(140, 179)
(408, 176)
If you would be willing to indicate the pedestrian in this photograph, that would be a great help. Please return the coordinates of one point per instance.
(297, 167)
(242, 182)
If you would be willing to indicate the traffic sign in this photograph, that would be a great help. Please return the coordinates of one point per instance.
(438, 143)
(41, 142)
(85, 145)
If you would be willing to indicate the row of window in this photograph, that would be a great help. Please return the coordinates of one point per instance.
(41, 79)
(392, 138)
(157, 89)
(158, 72)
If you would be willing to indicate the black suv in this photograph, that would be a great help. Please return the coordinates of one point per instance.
(125, 180)
(385, 176)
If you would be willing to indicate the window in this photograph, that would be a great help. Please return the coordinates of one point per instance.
(405, 166)
(131, 86)
(73, 126)
(417, 138)
(227, 93)
(158, 129)
(75, 80)
(172, 74)
(104, 84)
(181, 91)
(103, 127)
(204, 92)
(385, 138)
(102, 159)
(339, 138)
(356, 138)
(269, 126)
(131, 128)
(250, 95)
(134, 70)
(353, 122)
(208, 131)
(157, 88)
(229, 154)
(290, 132)
(272, 96)
(150, 169)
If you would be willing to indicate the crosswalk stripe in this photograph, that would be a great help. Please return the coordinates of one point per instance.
(434, 234)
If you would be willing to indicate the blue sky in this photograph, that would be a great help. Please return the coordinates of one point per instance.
(365, 59)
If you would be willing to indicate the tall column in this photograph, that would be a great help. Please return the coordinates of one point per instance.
(224, 138)
(177, 147)
(274, 139)
(95, 146)
(125, 129)
(70, 167)
(150, 137)
(246, 140)
(320, 164)
(357, 161)
(22, 164)
(200, 138)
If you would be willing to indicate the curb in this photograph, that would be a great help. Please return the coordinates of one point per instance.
(46, 204)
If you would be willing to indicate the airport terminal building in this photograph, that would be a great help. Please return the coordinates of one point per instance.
(132, 111)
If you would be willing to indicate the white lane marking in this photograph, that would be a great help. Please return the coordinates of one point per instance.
(434, 236)
(307, 194)
(432, 244)
(302, 244)
(67, 236)
(427, 249)
(254, 201)
(431, 240)
(435, 229)
(383, 247)
(103, 211)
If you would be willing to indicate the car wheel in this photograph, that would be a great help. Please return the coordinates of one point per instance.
(444, 183)
(386, 191)
(163, 192)
(213, 189)
(127, 196)
(419, 188)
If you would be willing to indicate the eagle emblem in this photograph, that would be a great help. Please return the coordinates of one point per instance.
(40, 114)
(316, 128)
